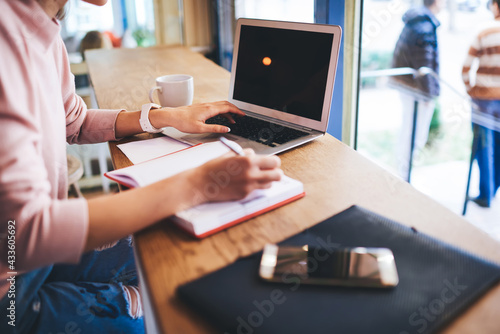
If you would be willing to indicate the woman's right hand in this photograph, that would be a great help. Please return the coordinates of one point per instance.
(229, 177)
(233, 177)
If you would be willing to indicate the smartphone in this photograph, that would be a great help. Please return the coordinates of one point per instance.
(355, 267)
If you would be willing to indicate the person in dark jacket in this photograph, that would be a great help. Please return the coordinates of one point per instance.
(417, 47)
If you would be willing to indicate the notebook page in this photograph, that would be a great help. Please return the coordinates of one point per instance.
(158, 169)
(208, 216)
(144, 150)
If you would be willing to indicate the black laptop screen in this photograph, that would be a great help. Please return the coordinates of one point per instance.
(282, 69)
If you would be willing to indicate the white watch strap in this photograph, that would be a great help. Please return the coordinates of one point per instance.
(144, 119)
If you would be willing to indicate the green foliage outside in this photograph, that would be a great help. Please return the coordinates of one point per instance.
(446, 142)
(144, 37)
(372, 61)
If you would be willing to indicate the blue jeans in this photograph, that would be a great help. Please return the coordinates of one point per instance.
(488, 153)
(83, 298)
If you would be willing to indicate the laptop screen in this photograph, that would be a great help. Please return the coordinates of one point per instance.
(282, 69)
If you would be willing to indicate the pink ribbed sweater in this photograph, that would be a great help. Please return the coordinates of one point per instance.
(39, 112)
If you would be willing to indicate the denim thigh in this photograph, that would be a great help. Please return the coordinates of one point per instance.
(114, 264)
(84, 298)
(82, 307)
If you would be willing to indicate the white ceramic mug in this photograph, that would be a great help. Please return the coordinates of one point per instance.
(174, 90)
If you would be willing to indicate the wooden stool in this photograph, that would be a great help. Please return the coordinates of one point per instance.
(75, 172)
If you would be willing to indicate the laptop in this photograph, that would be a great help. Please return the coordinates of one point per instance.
(282, 77)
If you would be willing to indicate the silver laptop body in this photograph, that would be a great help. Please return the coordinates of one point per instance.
(282, 73)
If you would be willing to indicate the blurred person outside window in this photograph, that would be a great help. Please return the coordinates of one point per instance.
(483, 85)
(417, 46)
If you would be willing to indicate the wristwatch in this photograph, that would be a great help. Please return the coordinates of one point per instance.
(144, 119)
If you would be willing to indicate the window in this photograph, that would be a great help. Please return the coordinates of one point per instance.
(282, 10)
(83, 17)
(131, 22)
(440, 164)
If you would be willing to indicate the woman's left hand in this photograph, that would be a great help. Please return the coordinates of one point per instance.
(192, 118)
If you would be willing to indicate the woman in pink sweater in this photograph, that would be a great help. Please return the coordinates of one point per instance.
(39, 112)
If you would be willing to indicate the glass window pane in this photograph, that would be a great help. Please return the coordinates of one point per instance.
(130, 23)
(83, 17)
(387, 101)
(282, 10)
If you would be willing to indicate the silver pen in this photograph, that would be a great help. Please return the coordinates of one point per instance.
(232, 146)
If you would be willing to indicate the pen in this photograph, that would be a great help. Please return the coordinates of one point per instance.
(232, 146)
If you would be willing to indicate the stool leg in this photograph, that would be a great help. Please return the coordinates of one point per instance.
(472, 156)
(77, 189)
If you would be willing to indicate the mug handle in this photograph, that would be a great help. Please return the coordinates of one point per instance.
(151, 91)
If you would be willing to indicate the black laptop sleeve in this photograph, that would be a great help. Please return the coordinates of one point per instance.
(437, 282)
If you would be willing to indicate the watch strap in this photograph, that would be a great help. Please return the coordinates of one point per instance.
(144, 118)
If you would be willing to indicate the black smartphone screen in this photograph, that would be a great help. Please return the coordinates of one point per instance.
(341, 264)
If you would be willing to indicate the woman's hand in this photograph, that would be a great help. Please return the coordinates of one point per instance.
(227, 178)
(192, 118)
(234, 177)
(189, 119)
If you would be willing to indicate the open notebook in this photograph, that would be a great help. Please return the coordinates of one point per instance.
(206, 219)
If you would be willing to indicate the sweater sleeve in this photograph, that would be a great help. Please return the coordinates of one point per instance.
(472, 55)
(83, 126)
(48, 228)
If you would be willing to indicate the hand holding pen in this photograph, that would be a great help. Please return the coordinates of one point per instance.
(232, 146)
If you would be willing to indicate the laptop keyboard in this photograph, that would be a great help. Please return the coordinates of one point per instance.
(263, 132)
